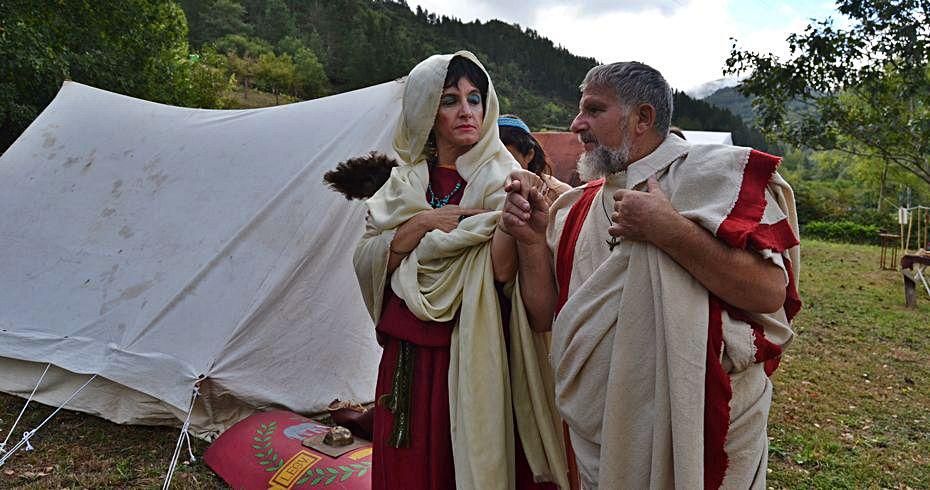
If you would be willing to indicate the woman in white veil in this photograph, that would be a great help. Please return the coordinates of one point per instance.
(462, 374)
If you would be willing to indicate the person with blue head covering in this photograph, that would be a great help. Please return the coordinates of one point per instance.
(516, 136)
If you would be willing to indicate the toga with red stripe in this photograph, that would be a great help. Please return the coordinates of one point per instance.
(662, 384)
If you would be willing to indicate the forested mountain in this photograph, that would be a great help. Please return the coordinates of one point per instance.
(361, 43)
(731, 99)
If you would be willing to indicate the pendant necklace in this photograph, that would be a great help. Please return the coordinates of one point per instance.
(613, 242)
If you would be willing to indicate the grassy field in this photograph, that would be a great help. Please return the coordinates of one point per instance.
(852, 399)
(75, 450)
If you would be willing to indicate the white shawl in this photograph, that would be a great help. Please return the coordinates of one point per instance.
(451, 272)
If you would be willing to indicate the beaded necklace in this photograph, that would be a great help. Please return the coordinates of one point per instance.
(437, 202)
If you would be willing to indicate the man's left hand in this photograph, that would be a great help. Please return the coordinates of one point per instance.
(643, 216)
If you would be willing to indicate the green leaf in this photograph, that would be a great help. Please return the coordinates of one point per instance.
(331, 479)
(259, 455)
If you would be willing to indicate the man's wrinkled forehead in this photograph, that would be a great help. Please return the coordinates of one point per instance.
(598, 95)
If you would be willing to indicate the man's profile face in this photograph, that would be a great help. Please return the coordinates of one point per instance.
(603, 126)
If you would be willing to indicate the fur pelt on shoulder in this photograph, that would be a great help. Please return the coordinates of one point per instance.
(360, 177)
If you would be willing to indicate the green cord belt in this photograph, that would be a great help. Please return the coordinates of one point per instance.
(398, 400)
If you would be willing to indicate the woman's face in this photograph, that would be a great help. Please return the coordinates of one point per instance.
(460, 114)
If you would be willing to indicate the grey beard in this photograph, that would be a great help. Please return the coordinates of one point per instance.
(603, 161)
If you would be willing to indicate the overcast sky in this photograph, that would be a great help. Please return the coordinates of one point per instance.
(687, 40)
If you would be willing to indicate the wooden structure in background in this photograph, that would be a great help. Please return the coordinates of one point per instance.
(889, 251)
(912, 268)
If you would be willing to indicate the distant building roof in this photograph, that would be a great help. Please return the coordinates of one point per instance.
(563, 150)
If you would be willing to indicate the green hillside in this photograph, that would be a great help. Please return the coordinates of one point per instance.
(361, 43)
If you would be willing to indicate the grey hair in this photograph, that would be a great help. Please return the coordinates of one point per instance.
(635, 83)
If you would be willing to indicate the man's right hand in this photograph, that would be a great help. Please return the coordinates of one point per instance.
(526, 212)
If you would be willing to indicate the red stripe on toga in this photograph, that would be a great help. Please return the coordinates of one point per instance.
(777, 236)
(742, 229)
(750, 204)
(717, 395)
(565, 256)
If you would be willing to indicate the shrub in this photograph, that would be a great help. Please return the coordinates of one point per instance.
(841, 231)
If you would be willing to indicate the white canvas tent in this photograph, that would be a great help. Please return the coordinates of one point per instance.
(158, 246)
(709, 137)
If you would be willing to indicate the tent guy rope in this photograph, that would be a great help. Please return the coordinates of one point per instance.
(21, 412)
(183, 436)
(28, 434)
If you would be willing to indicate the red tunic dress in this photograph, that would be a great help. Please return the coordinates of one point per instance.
(427, 462)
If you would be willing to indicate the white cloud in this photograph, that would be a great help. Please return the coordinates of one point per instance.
(687, 46)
